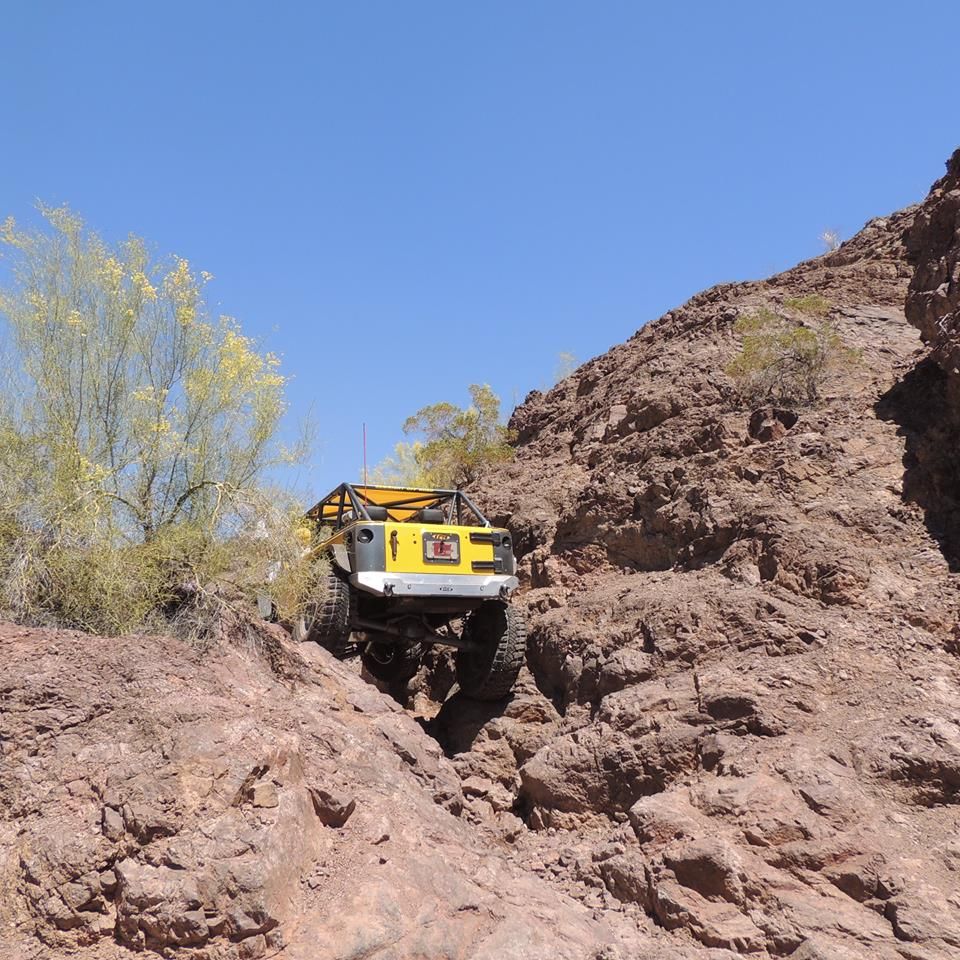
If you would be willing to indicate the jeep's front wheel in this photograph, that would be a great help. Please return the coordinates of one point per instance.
(326, 620)
(392, 662)
(498, 634)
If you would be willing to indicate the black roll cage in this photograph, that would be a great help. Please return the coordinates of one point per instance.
(347, 497)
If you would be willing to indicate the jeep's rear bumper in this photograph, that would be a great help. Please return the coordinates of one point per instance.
(470, 586)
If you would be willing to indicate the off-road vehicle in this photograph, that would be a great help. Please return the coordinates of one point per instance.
(406, 568)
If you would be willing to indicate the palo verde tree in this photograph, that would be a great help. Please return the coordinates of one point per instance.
(129, 417)
(785, 360)
(454, 445)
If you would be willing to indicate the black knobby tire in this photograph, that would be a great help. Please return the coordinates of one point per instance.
(392, 662)
(327, 620)
(489, 672)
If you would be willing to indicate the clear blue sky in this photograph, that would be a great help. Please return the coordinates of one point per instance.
(405, 197)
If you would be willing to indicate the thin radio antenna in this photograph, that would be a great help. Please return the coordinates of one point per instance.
(364, 454)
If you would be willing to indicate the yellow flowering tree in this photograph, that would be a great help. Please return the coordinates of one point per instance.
(127, 411)
(122, 380)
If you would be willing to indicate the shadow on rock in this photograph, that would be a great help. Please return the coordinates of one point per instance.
(460, 720)
(925, 404)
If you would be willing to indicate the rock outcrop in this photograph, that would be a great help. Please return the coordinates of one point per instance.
(746, 618)
(157, 799)
(933, 247)
(927, 402)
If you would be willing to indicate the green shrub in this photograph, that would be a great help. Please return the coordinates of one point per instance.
(185, 577)
(784, 361)
(458, 444)
(812, 304)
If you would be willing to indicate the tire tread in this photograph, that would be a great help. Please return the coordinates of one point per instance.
(493, 679)
(331, 620)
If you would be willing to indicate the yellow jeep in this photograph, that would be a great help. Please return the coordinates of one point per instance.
(405, 566)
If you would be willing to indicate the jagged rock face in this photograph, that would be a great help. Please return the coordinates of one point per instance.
(207, 806)
(928, 400)
(747, 623)
(933, 246)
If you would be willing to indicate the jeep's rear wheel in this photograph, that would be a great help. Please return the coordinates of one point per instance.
(392, 662)
(489, 671)
(327, 620)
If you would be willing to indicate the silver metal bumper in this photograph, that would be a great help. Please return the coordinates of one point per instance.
(435, 584)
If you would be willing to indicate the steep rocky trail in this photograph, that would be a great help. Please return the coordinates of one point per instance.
(158, 798)
(739, 733)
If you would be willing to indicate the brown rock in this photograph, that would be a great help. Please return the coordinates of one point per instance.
(713, 924)
(166, 860)
(924, 914)
(626, 878)
(158, 907)
(112, 824)
(769, 423)
(265, 794)
(711, 868)
(746, 616)
(624, 668)
(933, 247)
(333, 809)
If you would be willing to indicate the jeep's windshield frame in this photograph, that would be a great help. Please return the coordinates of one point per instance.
(348, 503)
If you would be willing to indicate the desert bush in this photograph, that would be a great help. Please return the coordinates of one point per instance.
(813, 304)
(135, 434)
(566, 364)
(267, 553)
(402, 468)
(458, 445)
(831, 240)
(784, 361)
(185, 577)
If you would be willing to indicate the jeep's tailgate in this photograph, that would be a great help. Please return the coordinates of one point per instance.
(434, 548)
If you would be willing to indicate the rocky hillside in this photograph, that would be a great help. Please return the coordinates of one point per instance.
(746, 618)
(739, 733)
(243, 803)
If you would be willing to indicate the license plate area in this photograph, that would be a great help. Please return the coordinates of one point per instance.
(441, 548)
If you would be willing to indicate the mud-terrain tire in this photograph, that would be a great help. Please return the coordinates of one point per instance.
(489, 672)
(327, 620)
(392, 662)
